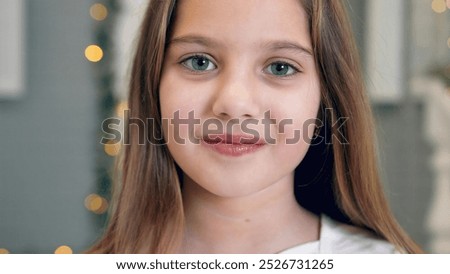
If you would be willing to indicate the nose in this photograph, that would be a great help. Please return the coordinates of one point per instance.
(236, 96)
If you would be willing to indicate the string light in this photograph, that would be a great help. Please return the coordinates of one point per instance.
(93, 53)
(98, 12)
(96, 203)
(439, 6)
(64, 249)
(4, 251)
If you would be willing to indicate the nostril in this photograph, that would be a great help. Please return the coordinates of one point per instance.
(223, 114)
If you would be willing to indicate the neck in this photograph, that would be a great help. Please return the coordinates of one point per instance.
(267, 221)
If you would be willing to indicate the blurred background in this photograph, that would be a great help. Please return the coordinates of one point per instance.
(63, 71)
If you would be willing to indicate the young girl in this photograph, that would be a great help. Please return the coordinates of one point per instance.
(259, 136)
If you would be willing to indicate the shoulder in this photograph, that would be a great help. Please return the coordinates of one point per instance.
(336, 237)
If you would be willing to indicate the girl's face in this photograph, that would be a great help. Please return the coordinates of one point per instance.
(239, 93)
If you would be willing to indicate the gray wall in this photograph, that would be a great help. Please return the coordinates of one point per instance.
(404, 158)
(404, 154)
(48, 138)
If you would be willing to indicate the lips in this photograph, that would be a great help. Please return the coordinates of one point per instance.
(233, 145)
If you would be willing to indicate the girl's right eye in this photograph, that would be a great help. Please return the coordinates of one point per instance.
(198, 63)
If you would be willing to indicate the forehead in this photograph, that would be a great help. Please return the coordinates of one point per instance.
(243, 23)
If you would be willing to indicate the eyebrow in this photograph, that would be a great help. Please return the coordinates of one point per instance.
(287, 45)
(194, 39)
(271, 44)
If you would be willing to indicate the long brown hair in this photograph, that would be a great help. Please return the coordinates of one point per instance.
(338, 178)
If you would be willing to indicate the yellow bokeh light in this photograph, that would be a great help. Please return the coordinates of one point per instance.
(64, 249)
(4, 251)
(112, 148)
(93, 53)
(448, 42)
(93, 202)
(103, 207)
(98, 12)
(438, 6)
(96, 203)
(120, 109)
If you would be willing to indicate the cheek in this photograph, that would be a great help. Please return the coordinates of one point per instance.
(296, 127)
(178, 94)
(171, 106)
(297, 130)
(297, 118)
(181, 108)
(171, 97)
(294, 141)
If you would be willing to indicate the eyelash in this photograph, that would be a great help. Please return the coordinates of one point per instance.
(294, 68)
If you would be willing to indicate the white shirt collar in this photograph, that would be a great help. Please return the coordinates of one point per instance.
(336, 237)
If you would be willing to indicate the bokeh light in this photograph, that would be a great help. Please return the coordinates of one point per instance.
(96, 203)
(4, 251)
(439, 6)
(112, 148)
(64, 249)
(98, 12)
(120, 109)
(93, 53)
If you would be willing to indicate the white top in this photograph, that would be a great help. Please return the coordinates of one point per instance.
(336, 237)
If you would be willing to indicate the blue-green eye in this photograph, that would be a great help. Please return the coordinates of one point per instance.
(281, 69)
(198, 63)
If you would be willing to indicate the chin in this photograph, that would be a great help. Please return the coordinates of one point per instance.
(233, 187)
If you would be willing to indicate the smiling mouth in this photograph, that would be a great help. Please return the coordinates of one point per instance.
(233, 145)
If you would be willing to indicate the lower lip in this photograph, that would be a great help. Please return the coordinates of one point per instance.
(234, 150)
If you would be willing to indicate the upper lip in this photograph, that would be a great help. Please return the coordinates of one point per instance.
(235, 139)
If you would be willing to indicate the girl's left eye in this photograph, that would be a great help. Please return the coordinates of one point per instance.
(198, 63)
(281, 69)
